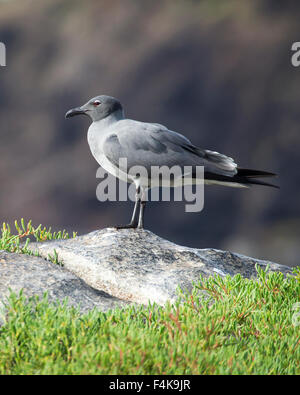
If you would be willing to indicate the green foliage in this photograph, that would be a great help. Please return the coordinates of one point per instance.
(296, 272)
(228, 325)
(18, 241)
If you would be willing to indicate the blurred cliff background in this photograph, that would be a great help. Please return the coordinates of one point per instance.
(218, 72)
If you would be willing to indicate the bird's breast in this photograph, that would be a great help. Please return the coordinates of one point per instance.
(95, 141)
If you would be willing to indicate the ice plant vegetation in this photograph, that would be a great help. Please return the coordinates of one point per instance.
(17, 240)
(226, 325)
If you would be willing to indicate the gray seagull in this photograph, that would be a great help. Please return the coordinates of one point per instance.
(112, 137)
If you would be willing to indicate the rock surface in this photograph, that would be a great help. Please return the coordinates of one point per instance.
(139, 266)
(35, 276)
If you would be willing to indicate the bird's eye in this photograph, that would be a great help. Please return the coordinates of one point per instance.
(96, 103)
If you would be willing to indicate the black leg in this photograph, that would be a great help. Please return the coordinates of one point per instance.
(134, 220)
(141, 216)
(142, 210)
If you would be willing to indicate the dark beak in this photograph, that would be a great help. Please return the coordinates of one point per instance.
(75, 111)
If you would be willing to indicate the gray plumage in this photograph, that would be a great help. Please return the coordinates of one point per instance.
(111, 137)
(149, 144)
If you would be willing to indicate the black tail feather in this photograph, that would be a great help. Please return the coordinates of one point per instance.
(259, 182)
(254, 173)
(245, 177)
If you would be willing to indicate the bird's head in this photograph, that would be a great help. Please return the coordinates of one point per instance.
(98, 108)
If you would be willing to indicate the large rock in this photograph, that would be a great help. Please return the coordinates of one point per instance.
(138, 266)
(35, 276)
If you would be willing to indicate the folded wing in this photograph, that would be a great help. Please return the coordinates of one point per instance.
(147, 145)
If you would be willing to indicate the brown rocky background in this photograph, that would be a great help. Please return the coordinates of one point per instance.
(218, 72)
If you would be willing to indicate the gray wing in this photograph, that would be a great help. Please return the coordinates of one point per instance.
(147, 144)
